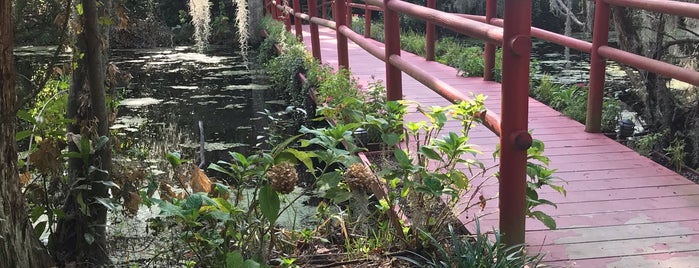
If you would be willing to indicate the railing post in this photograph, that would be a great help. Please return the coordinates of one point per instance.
(349, 13)
(287, 18)
(515, 138)
(367, 21)
(275, 10)
(429, 34)
(315, 39)
(297, 22)
(394, 80)
(489, 50)
(598, 64)
(339, 15)
(322, 9)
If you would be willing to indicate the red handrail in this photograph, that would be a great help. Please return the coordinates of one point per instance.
(683, 9)
(514, 34)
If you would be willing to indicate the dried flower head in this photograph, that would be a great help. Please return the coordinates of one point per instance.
(358, 177)
(283, 177)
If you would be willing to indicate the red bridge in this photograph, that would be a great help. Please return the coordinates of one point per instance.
(621, 210)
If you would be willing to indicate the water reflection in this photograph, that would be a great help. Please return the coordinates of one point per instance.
(173, 89)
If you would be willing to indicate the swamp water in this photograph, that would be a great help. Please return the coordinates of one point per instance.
(171, 92)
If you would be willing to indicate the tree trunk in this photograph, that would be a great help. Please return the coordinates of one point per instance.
(663, 108)
(19, 246)
(81, 235)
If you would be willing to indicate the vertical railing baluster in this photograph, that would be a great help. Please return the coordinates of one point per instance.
(598, 64)
(339, 14)
(315, 39)
(349, 13)
(429, 34)
(489, 50)
(322, 9)
(394, 80)
(367, 21)
(515, 138)
(297, 21)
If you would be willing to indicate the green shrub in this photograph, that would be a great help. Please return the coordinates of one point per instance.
(477, 250)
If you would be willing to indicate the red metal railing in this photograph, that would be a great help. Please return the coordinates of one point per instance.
(513, 33)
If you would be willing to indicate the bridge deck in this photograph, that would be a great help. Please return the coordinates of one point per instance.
(622, 209)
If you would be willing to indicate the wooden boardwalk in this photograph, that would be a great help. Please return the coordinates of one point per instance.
(622, 209)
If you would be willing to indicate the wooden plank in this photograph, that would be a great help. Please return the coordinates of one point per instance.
(622, 210)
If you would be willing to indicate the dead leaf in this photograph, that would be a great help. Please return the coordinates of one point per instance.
(133, 202)
(200, 183)
(123, 18)
(47, 158)
(166, 192)
(24, 178)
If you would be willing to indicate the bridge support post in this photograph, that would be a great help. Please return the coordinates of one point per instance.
(340, 21)
(514, 139)
(429, 34)
(367, 21)
(489, 50)
(348, 3)
(394, 79)
(598, 64)
(315, 38)
(297, 22)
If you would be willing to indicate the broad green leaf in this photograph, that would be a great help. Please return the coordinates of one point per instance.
(40, 228)
(85, 147)
(391, 139)
(193, 202)
(269, 203)
(169, 209)
(251, 264)
(234, 259)
(544, 218)
(402, 158)
(106, 202)
(101, 142)
(305, 157)
(174, 158)
(26, 116)
(22, 135)
(337, 195)
(429, 153)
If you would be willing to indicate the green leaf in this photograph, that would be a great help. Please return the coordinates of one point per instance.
(544, 218)
(269, 203)
(174, 158)
(251, 264)
(429, 153)
(106, 202)
(85, 147)
(402, 158)
(305, 157)
(391, 139)
(193, 202)
(101, 142)
(36, 213)
(40, 228)
(169, 209)
(337, 195)
(234, 259)
(79, 9)
(26, 116)
(109, 184)
(104, 21)
(22, 135)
